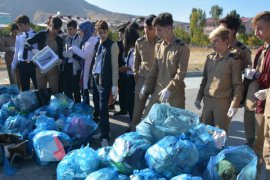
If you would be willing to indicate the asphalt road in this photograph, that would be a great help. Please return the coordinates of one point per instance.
(30, 170)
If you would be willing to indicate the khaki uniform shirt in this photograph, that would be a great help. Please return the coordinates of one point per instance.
(169, 68)
(244, 54)
(222, 78)
(144, 56)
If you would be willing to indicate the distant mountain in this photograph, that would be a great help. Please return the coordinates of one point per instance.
(40, 10)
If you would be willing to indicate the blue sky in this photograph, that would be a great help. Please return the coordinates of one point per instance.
(181, 9)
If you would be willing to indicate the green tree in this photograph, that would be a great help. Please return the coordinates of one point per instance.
(182, 34)
(197, 24)
(216, 12)
(234, 13)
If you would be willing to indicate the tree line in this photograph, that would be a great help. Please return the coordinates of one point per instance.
(195, 36)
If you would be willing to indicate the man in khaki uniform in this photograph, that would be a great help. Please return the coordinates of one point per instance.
(221, 86)
(166, 77)
(143, 61)
(8, 46)
(244, 54)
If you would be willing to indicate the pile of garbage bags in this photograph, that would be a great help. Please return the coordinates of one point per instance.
(35, 124)
(164, 120)
(169, 143)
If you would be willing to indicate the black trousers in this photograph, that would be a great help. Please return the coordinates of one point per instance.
(27, 71)
(130, 94)
(101, 95)
(71, 83)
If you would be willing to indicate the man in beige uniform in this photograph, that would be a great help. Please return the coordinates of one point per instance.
(144, 58)
(8, 46)
(244, 54)
(166, 77)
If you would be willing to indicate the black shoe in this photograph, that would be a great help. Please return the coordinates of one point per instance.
(120, 113)
(111, 108)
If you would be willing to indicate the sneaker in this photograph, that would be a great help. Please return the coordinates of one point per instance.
(120, 113)
(104, 143)
(96, 136)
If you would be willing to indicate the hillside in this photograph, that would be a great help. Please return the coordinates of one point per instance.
(39, 10)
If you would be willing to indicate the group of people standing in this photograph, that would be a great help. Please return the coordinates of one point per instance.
(152, 65)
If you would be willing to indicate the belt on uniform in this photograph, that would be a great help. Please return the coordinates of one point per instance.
(26, 61)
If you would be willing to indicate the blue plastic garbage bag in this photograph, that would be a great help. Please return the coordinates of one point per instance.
(106, 174)
(172, 156)
(59, 103)
(186, 177)
(202, 137)
(127, 153)
(26, 102)
(164, 120)
(50, 145)
(78, 164)
(5, 98)
(243, 159)
(11, 89)
(8, 109)
(18, 125)
(103, 156)
(146, 174)
(42, 123)
(79, 127)
(60, 122)
(82, 108)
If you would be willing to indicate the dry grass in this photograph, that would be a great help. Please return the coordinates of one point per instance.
(198, 56)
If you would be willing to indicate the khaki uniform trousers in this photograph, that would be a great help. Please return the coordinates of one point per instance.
(250, 126)
(215, 111)
(51, 76)
(139, 104)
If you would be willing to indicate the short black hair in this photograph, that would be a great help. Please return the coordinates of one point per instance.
(149, 19)
(22, 19)
(133, 25)
(14, 27)
(163, 19)
(56, 23)
(122, 29)
(72, 23)
(231, 22)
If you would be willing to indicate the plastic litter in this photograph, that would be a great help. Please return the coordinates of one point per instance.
(172, 156)
(78, 164)
(50, 145)
(242, 158)
(164, 120)
(128, 152)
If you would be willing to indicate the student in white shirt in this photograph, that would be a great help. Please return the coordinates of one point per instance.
(23, 56)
